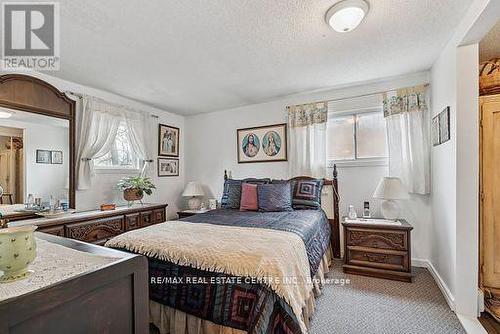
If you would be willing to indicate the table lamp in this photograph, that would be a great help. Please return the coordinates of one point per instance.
(193, 190)
(390, 189)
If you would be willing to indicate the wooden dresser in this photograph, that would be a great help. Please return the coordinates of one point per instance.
(97, 227)
(111, 298)
(378, 250)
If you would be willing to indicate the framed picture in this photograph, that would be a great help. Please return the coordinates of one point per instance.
(43, 157)
(262, 144)
(168, 140)
(435, 131)
(441, 127)
(56, 157)
(168, 167)
(444, 125)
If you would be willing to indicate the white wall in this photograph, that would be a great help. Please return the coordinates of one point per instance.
(103, 188)
(43, 180)
(454, 234)
(211, 149)
(467, 161)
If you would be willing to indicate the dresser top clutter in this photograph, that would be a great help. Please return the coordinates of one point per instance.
(85, 215)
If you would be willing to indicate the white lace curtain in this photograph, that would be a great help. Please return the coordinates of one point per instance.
(97, 124)
(307, 128)
(406, 115)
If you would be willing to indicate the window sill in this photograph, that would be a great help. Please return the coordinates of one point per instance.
(372, 162)
(116, 170)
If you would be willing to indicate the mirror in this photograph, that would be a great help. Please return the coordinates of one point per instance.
(33, 161)
(37, 147)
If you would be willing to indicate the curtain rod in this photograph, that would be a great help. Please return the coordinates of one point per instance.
(362, 95)
(80, 96)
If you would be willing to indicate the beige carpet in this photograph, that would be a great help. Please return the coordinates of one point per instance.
(372, 305)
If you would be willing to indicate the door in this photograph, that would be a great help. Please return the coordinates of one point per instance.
(490, 202)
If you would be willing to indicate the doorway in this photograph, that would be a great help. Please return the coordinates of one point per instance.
(11, 166)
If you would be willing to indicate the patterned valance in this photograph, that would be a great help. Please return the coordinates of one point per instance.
(307, 114)
(404, 100)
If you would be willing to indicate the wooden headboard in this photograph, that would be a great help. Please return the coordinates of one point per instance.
(330, 199)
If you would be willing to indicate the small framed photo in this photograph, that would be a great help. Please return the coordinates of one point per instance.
(56, 157)
(444, 125)
(168, 140)
(212, 204)
(168, 167)
(262, 144)
(43, 157)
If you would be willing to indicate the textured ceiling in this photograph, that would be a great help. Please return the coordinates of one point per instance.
(489, 47)
(199, 56)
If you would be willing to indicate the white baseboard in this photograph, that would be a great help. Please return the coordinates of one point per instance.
(450, 299)
(419, 263)
(471, 325)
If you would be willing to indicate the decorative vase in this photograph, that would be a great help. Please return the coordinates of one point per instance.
(18, 250)
(489, 77)
(133, 194)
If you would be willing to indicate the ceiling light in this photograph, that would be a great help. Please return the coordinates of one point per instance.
(5, 114)
(346, 15)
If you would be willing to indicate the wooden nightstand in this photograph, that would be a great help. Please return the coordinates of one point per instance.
(378, 250)
(189, 213)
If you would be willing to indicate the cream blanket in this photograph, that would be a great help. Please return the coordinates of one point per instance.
(278, 257)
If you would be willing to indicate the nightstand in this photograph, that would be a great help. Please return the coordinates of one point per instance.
(377, 249)
(189, 213)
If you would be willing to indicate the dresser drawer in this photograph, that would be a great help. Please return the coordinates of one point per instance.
(377, 239)
(95, 231)
(387, 261)
(132, 221)
(146, 218)
(159, 216)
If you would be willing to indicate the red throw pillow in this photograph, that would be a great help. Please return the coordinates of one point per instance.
(249, 200)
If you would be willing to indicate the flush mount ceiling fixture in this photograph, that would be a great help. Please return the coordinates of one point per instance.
(346, 15)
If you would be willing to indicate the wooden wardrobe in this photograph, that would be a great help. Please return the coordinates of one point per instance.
(489, 274)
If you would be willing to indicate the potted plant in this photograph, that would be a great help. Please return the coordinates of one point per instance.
(134, 188)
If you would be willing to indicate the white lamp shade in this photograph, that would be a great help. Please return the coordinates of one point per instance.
(391, 188)
(193, 189)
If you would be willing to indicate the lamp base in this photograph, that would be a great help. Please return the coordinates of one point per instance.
(194, 203)
(390, 209)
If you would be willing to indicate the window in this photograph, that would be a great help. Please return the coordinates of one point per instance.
(121, 155)
(359, 137)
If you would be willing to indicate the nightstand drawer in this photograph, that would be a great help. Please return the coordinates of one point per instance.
(381, 260)
(373, 238)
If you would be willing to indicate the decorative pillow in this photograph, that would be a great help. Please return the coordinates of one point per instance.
(307, 194)
(231, 195)
(249, 200)
(274, 197)
(232, 191)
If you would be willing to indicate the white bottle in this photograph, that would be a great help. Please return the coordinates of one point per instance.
(352, 213)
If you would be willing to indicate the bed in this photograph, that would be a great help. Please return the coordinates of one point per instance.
(227, 271)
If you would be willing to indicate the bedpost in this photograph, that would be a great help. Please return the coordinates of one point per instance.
(225, 175)
(336, 215)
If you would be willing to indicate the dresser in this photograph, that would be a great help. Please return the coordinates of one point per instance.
(378, 250)
(97, 226)
(92, 289)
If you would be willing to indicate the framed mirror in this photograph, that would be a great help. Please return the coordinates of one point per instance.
(37, 145)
